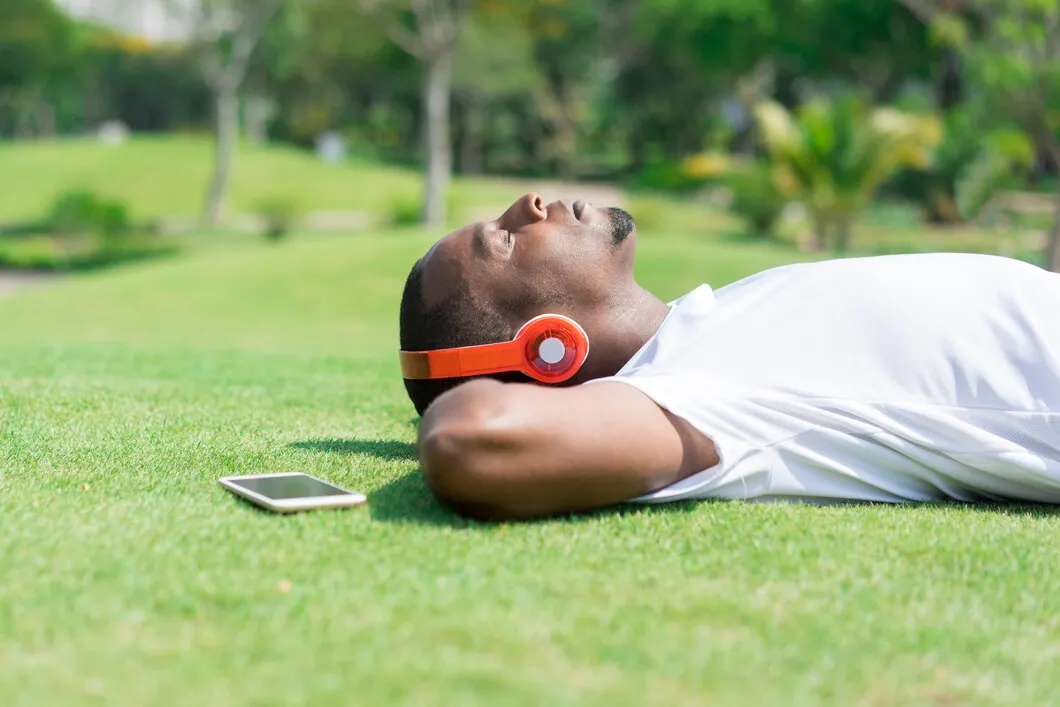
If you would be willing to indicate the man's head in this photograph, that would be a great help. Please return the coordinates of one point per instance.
(479, 284)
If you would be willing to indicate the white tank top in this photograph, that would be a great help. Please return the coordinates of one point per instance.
(896, 378)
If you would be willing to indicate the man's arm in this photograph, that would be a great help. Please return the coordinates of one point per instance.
(499, 451)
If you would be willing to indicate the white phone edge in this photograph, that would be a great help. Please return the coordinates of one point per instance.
(292, 505)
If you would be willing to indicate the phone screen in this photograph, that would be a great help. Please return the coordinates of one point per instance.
(279, 488)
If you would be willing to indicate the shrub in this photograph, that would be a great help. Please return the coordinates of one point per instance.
(280, 216)
(756, 198)
(81, 230)
(82, 212)
(78, 253)
(406, 211)
(667, 176)
(965, 170)
(834, 154)
(652, 213)
(707, 166)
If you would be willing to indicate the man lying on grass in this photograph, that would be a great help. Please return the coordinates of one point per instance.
(897, 378)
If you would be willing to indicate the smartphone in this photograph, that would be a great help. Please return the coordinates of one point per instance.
(290, 492)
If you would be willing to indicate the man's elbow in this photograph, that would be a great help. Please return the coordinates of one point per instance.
(455, 473)
(450, 462)
(463, 451)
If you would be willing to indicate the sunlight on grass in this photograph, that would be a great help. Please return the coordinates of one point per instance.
(166, 177)
(130, 577)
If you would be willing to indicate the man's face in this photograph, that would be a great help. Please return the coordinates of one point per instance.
(567, 257)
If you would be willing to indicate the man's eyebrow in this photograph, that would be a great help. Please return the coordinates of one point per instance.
(478, 238)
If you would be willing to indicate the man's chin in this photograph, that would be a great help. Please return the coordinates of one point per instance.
(622, 225)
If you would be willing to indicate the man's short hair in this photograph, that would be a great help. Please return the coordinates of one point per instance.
(459, 320)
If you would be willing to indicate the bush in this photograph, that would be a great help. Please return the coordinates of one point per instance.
(22, 228)
(81, 213)
(81, 231)
(667, 176)
(652, 213)
(280, 216)
(78, 253)
(406, 211)
(756, 198)
(406, 208)
(966, 169)
(834, 154)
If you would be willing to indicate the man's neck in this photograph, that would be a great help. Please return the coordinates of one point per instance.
(630, 326)
(646, 315)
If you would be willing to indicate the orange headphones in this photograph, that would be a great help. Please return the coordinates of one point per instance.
(549, 348)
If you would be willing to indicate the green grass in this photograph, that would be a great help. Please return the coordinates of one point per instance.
(130, 578)
(166, 176)
(163, 177)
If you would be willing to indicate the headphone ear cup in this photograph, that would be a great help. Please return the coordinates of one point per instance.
(555, 348)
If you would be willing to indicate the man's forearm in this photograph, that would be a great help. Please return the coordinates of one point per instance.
(497, 450)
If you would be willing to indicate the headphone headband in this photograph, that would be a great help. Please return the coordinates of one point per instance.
(549, 348)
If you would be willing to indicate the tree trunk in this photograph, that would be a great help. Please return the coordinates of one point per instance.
(566, 145)
(23, 117)
(471, 150)
(818, 231)
(1053, 257)
(436, 93)
(226, 136)
(948, 88)
(43, 115)
(567, 131)
(535, 146)
(554, 102)
(1052, 248)
(842, 234)
(258, 110)
(93, 102)
(638, 148)
(46, 127)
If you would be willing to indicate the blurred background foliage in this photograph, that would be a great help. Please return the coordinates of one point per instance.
(818, 111)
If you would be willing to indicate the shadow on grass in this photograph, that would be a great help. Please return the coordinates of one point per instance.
(403, 500)
(408, 500)
(390, 450)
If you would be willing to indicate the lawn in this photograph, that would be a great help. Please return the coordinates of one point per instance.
(130, 578)
(166, 176)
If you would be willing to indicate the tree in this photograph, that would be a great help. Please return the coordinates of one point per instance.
(1014, 59)
(833, 155)
(36, 49)
(288, 51)
(876, 45)
(512, 72)
(975, 158)
(677, 61)
(324, 67)
(430, 31)
(224, 34)
(33, 33)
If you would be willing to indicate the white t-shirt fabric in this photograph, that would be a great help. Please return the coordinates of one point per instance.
(893, 378)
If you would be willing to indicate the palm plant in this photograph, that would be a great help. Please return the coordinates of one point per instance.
(966, 168)
(833, 156)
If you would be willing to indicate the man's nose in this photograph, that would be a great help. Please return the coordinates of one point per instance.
(532, 207)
